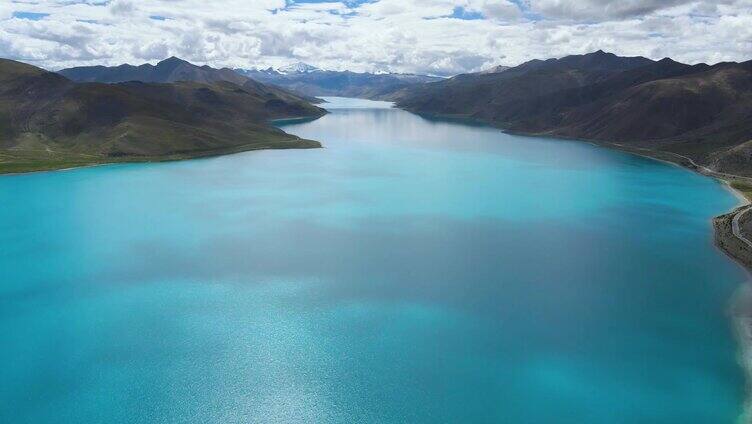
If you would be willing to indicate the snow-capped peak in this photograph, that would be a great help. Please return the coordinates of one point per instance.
(495, 70)
(297, 68)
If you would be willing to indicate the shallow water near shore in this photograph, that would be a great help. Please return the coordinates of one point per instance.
(413, 270)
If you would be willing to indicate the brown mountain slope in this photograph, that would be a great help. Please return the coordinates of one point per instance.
(701, 115)
(48, 121)
(492, 96)
(702, 112)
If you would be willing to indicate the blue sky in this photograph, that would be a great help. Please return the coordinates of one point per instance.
(440, 37)
(29, 15)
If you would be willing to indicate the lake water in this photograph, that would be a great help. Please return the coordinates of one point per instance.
(412, 271)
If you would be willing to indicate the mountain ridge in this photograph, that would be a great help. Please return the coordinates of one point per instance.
(170, 70)
(698, 111)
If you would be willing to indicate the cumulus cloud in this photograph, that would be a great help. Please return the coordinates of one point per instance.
(427, 36)
(500, 10)
(604, 9)
(624, 9)
(122, 7)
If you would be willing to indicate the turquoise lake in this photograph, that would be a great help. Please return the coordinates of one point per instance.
(412, 271)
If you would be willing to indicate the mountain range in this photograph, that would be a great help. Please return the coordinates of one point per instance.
(172, 70)
(48, 121)
(305, 81)
(311, 81)
(699, 115)
(699, 112)
(168, 70)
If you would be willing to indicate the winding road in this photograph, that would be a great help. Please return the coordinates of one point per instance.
(735, 227)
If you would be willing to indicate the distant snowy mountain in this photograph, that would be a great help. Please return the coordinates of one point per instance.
(312, 81)
(298, 68)
(494, 70)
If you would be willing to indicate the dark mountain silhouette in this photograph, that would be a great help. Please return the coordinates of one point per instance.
(48, 121)
(168, 70)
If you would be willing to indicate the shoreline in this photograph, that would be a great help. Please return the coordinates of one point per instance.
(675, 159)
(730, 240)
(727, 234)
(300, 143)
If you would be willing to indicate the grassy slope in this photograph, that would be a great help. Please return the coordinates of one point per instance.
(31, 160)
(48, 122)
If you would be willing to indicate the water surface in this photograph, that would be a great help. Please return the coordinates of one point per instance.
(412, 271)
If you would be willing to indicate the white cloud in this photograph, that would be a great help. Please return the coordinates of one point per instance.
(416, 36)
(579, 9)
(494, 9)
(122, 7)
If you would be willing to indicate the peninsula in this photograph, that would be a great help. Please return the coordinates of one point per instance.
(49, 122)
